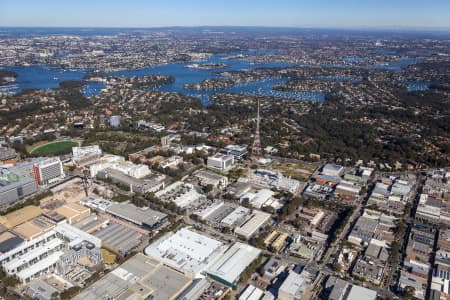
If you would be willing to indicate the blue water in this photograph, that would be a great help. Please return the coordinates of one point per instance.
(417, 86)
(47, 77)
(353, 59)
(43, 77)
(185, 75)
(396, 65)
(338, 78)
(93, 88)
(383, 51)
(419, 53)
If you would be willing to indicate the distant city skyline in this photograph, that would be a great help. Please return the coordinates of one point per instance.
(395, 14)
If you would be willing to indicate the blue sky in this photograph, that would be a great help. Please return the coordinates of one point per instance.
(292, 13)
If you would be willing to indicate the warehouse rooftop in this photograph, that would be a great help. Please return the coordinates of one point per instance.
(186, 251)
(142, 216)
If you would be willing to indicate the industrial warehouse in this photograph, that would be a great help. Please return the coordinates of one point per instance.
(197, 255)
(138, 278)
(186, 251)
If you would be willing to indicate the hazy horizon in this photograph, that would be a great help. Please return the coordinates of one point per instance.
(381, 29)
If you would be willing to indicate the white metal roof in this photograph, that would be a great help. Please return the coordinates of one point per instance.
(186, 250)
(233, 262)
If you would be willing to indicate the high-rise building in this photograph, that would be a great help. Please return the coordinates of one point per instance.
(48, 171)
(256, 147)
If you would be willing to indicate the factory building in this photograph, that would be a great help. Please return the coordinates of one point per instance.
(184, 195)
(252, 224)
(206, 178)
(233, 261)
(138, 278)
(74, 236)
(141, 216)
(235, 216)
(186, 251)
(119, 238)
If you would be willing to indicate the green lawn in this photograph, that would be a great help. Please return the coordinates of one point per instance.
(54, 148)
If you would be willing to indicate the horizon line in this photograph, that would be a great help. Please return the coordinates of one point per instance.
(362, 27)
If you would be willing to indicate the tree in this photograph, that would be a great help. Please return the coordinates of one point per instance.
(70, 292)
(246, 203)
(409, 292)
(336, 266)
(10, 281)
(208, 189)
(138, 201)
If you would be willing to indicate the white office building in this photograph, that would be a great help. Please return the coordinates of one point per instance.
(106, 162)
(134, 170)
(221, 162)
(87, 150)
(34, 258)
(171, 162)
(333, 170)
(84, 155)
(118, 163)
(238, 151)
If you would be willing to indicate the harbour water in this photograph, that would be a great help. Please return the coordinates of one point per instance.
(48, 77)
(184, 75)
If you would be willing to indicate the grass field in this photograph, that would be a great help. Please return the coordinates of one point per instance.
(54, 148)
(300, 170)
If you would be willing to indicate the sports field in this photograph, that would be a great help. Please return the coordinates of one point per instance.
(54, 148)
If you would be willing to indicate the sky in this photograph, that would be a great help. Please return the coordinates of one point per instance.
(425, 14)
